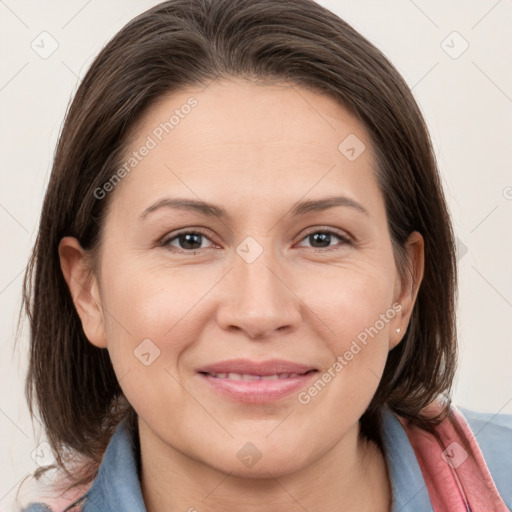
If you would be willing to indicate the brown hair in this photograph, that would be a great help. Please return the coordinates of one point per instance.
(183, 43)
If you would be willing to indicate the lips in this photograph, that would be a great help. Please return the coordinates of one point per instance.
(256, 382)
(262, 368)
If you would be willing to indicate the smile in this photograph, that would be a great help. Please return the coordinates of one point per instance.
(250, 388)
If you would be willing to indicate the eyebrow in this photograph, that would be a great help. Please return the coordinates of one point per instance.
(212, 210)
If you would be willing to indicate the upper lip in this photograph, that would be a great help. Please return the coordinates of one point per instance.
(246, 366)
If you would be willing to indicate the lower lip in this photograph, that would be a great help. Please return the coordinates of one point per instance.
(257, 391)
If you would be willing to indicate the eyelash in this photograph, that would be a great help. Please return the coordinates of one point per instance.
(343, 238)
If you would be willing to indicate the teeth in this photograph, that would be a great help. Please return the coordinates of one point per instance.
(245, 376)
(249, 377)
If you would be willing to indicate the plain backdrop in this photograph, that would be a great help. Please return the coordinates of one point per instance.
(456, 56)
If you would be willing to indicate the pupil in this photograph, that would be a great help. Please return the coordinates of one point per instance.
(186, 241)
(324, 238)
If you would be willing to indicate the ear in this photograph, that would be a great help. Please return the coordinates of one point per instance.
(84, 289)
(407, 286)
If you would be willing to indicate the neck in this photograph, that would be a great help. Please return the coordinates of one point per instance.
(351, 477)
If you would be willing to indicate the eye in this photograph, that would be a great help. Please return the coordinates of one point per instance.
(321, 238)
(191, 241)
(186, 241)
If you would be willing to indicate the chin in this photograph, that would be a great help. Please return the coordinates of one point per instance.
(249, 461)
(275, 468)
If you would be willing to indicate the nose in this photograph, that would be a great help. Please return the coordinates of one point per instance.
(258, 298)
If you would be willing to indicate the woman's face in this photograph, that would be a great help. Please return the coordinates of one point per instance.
(288, 257)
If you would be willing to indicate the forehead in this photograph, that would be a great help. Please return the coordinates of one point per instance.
(246, 141)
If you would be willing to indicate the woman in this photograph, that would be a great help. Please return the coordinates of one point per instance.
(249, 278)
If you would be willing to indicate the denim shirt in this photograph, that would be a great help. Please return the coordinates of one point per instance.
(116, 487)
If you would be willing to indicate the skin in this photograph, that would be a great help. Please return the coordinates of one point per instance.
(300, 300)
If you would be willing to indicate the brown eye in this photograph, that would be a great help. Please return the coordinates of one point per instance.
(324, 238)
(186, 241)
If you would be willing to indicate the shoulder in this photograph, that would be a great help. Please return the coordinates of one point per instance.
(50, 491)
(493, 433)
(115, 487)
(55, 506)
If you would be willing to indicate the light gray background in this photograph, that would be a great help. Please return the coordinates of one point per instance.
(467, 102)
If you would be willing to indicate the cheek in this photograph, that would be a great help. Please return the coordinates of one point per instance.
(149, 311)
(149, 300)
(352, 300)
(356, 311)
(150, 322)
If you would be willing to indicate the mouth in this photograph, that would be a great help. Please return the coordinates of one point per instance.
(256, 382)
(248, 377)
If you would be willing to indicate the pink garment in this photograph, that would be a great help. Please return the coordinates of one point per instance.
(457, 479)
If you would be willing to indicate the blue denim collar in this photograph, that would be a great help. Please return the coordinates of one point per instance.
(117, 486)
(408, 487)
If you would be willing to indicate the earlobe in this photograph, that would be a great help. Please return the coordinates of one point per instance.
(409, 285)
(83, 288)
